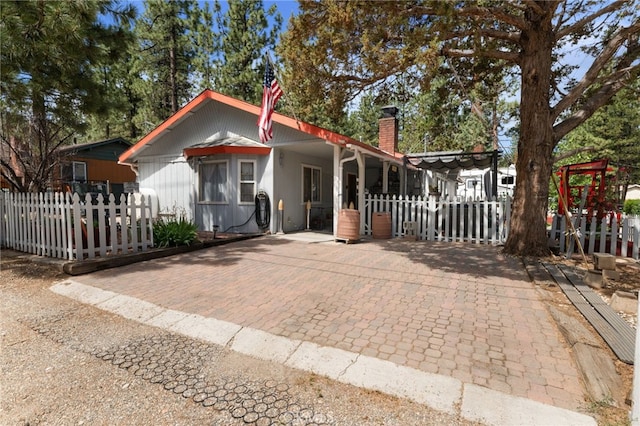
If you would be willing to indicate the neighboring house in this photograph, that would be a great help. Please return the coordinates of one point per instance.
(633, 192)
(94, 166)
(477, 182)
(206, 162)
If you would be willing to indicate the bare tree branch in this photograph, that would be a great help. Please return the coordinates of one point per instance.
(499, 13)
(494, 12)
(598, 65)
(600, 98)
(513, 36)
(573, 152)
(561, 18)
(468, 53)
(578, 25)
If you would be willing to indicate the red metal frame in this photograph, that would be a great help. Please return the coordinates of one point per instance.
(596, 196)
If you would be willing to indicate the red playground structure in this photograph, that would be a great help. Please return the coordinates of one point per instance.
(605, 188)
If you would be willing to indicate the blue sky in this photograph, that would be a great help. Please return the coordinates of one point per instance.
(285, 7)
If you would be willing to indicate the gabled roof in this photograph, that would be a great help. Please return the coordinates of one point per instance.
(92, 145)
(109, 149)
(207, 95)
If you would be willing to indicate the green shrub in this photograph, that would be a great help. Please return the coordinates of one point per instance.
(174, 232)
(632, 207)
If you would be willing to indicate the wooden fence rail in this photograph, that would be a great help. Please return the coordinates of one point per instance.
(478, 221)
(65, 226)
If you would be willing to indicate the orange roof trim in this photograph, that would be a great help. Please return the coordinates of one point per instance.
(207, 94)
(226, 149)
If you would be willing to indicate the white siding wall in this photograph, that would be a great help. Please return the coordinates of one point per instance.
(172, 179)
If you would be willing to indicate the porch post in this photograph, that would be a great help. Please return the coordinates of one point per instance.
(403, 177)
(494, 178)
(337, 185)
(385, 176)
(361, 186)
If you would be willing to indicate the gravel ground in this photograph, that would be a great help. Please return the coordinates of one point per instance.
(64, 363)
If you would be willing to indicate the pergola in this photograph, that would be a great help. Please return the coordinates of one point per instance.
(454, 161)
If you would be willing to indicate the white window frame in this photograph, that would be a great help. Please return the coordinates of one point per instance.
(505, 180)
(73, 171)
(470, 184)
(312, 168)
(253, 181)
(200, 176)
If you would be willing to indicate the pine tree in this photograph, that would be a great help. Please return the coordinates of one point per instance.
(245, 38)
(121, 100)
(164, 59)
(206, 44)
(49, 53)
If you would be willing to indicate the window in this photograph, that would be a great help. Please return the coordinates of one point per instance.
(311, 184)
(472, 183)
(247, 184)
(75, 171)
(213, 182)
(79, 171)
(508, 180)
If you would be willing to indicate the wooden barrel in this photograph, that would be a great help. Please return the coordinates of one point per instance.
(381, 225)
(348, 225)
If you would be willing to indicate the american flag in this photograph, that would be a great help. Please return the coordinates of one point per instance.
(271, 92)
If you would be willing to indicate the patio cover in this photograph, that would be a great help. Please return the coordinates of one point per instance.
(447, 161)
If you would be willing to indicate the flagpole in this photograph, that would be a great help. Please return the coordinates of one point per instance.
(284, 90)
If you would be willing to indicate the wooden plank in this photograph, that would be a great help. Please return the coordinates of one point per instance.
(619, 344)
(604, 384)
(597, 368)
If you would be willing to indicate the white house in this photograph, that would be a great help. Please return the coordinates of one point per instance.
(633, 192)
(476, 183)
(207, 163)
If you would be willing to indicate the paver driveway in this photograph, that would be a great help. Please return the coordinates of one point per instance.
(459, 310)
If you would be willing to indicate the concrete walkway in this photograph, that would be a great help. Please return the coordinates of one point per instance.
(455, 326)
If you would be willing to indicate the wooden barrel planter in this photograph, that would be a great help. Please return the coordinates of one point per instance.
(348, 225)
(381, 225)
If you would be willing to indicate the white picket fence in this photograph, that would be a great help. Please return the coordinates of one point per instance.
(616, 236)
(65, 226)
(455, 219)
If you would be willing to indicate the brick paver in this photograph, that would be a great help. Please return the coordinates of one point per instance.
(461, 310)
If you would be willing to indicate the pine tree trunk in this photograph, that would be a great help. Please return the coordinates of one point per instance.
(528, 235)
(173, 71)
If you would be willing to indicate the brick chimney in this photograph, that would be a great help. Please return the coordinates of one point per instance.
(388, 130)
